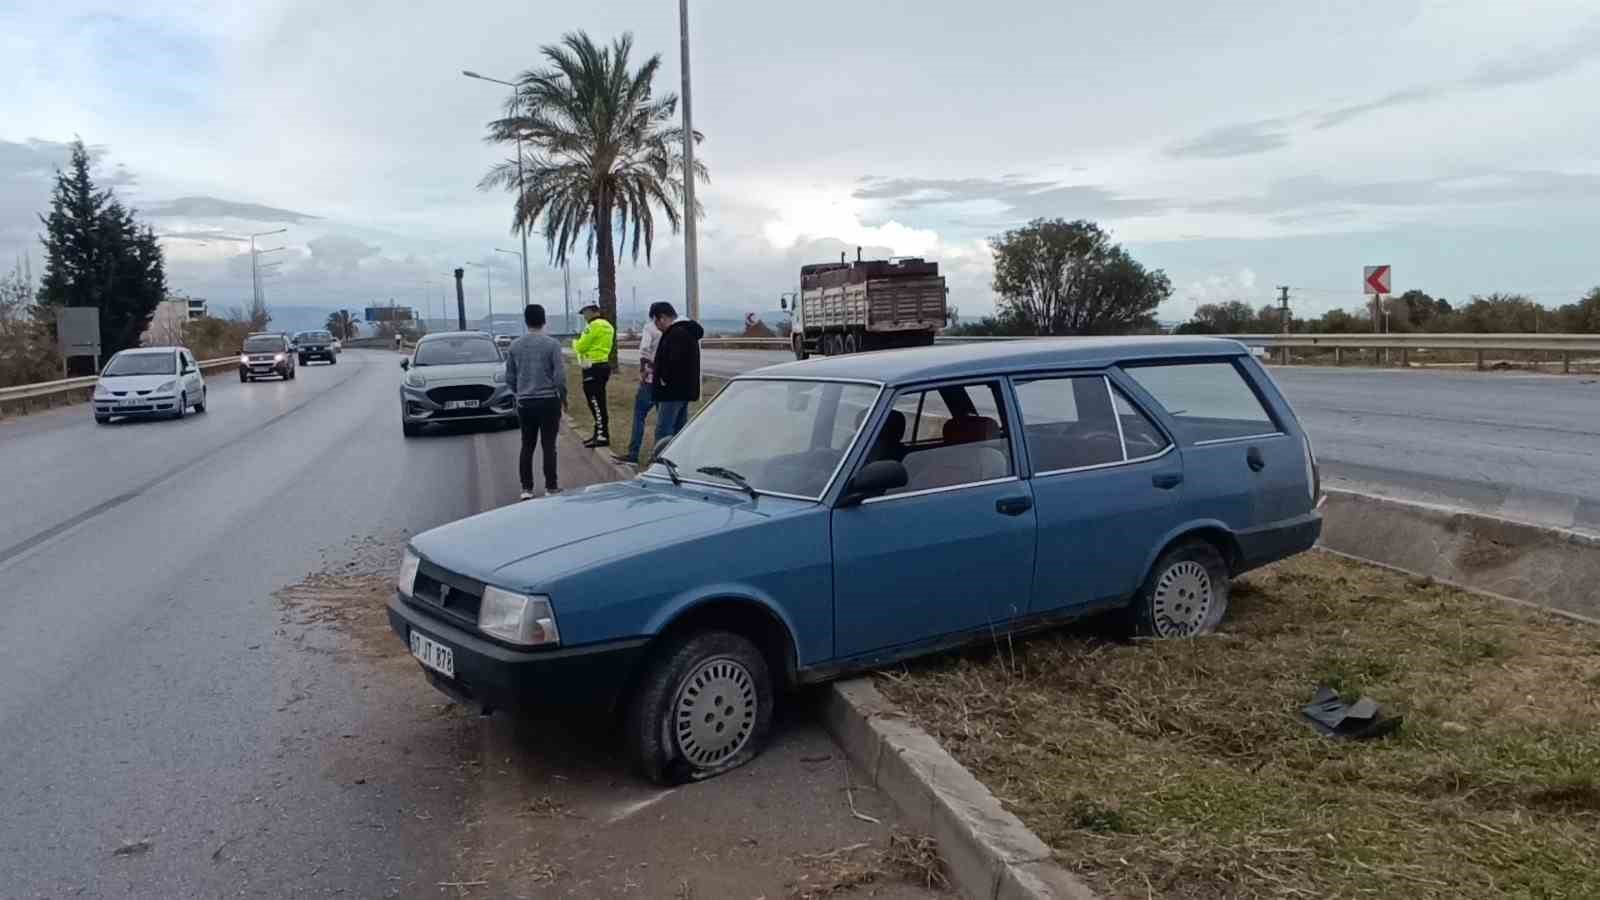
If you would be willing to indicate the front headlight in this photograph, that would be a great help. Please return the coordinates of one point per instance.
(100, 389)
(277, 357)
(500, 377)
(244, 358)
(517, 618)
(167, 388)
(416, 380)
(408, 573)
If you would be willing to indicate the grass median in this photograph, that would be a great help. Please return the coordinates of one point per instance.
(620, 393)
(1182, 769)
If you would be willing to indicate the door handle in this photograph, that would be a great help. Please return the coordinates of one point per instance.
(1013, 506)
(1167, 481)
(1252, 458)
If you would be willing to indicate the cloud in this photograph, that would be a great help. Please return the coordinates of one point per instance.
(27, 174)
(1243, 139)
(340, 253)
(1013, 197)
(213, 208)
(1220, 288)
(1290, 198)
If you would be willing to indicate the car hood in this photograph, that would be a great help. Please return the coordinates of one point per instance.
(513, 546)
(134, 382)
(461, 373)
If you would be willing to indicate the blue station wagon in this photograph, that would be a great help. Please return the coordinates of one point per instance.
(823, 517)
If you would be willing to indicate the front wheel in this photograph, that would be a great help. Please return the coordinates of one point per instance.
(102, 420)
(1185, 594)
(410, 429)
(183, 406)
(243, 377)
(703, 707)
(201, 406)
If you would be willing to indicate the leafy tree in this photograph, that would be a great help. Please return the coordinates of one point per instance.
(97, 254)
(1063, 277)
(600, 153)
(27, 353)
(1498, 313)
(343, 324)
(1582, 317)
(1005, 323)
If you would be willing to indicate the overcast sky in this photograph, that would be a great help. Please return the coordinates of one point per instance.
(1238, 145)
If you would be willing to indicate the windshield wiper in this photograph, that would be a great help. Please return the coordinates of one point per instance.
(731, 475)
(672, 469)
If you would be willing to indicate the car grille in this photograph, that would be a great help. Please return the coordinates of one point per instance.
(478, 392)
(444, 592)
(261, 359)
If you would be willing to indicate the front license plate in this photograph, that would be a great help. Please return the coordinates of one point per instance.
(461, 404)
(129, 402)
(433, 654)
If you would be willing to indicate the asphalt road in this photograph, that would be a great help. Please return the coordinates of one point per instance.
(1522, 446)
(199, 696)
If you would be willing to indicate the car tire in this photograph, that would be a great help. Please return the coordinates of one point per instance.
(183, 405)
(302, 360)
(243, 378)
(410, 429)
(851, 344)
(102, 420)
(333, 360)
(703, 707)
(1185, 594)
(799, 347)
(201, 406)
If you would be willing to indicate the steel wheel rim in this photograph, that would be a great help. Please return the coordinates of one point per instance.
(714, 713)
(1183, 600)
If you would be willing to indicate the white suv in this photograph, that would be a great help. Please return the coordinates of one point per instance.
(149, 381)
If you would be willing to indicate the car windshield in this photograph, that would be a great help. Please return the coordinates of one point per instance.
(315, 336)
(141, 364)
(784, 437)
(455, 351)
(264, 344)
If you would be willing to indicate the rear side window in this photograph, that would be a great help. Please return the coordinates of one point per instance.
(1072, 423)
(1209, 401)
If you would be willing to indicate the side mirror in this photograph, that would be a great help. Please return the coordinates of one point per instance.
(783, 302)
(874, 480)
(405, 363)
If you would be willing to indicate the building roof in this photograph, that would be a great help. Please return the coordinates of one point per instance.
(960, 360)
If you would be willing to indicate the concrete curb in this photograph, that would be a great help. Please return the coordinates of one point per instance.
(990, 854)
(603, 454)
(1543, 566)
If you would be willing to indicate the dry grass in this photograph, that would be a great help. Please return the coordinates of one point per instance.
(1181, 769)
(909, 858)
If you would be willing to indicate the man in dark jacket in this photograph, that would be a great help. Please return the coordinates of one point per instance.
(677, 370)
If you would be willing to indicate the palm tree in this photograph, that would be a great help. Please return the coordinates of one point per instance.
(600, 153)
(342, 324)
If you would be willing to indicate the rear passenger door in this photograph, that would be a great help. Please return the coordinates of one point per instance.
(953, 547)
(1240, 464)
(1104, 479)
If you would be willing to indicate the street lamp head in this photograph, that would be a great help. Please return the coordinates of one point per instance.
(470, 74)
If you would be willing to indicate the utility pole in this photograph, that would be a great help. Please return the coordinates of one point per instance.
(691, 251)
(461, 300)
(1283, 316)
(566, 297)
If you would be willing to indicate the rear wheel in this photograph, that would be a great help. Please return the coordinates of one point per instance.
(851, 344)
(1185, 594)
(704, 707)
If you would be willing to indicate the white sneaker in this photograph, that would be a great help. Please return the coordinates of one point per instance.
(527, 495)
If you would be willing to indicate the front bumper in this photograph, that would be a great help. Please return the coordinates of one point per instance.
(317, 353)
(417, 407)
(266, 370)
(588, 678)
(144, 406)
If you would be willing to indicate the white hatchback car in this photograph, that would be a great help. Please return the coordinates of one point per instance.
(149, 381)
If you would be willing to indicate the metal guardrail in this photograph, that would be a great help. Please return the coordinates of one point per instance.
(53, 389)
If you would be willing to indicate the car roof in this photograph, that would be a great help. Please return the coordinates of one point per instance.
(991, 357)
(133, 350)
(453, 334)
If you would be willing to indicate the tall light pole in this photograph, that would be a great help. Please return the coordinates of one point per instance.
(523, 257)
(516, 104)
(691, 251)
(488, 284)
(255, 274)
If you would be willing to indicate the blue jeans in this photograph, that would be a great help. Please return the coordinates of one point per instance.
(641, 410)
(670, 417)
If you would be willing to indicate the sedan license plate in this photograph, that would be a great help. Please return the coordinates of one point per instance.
(129, 402)
(433, 654)
(461, 404)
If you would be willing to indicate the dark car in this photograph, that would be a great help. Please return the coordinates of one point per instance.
(265, 355)
(310, 345)
(825, 517)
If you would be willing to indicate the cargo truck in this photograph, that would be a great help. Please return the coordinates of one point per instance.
(873, 304)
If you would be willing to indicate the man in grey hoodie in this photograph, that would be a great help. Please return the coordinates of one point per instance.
(535, 371)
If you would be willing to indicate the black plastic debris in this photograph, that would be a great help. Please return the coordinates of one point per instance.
(1356, 721)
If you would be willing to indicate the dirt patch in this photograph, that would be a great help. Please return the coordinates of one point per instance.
(343, 608)
(912, 859)
(1181, 768)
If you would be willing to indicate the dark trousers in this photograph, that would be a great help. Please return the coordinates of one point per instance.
(594, 390)
(671, 416)
(540, 419)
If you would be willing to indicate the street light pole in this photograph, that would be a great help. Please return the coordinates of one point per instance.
(516, 106)
(488, 284)
(255, 273)
(691, 251)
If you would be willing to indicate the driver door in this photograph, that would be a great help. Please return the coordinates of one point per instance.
(943, 554)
